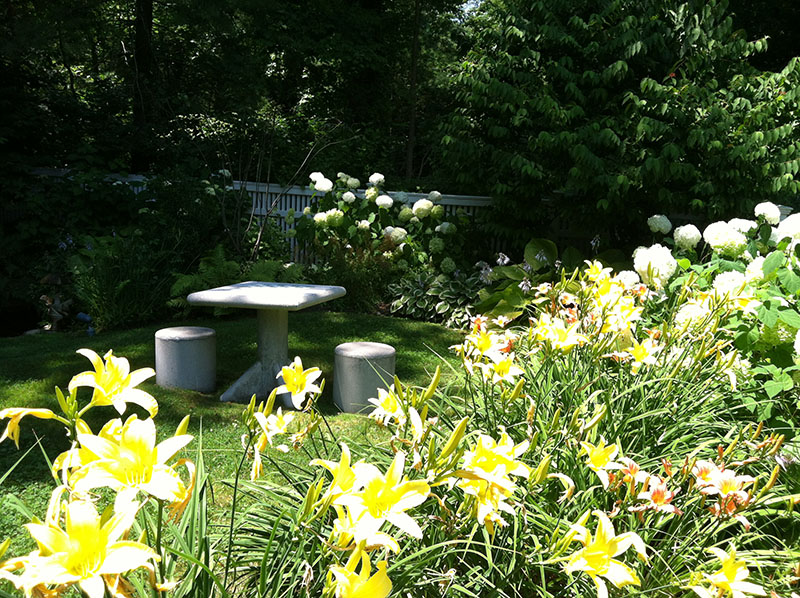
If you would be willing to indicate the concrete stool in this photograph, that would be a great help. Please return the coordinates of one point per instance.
(359, 369)
(186, 357)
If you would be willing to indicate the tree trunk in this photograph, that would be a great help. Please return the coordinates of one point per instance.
(142, 95)
(412, 90)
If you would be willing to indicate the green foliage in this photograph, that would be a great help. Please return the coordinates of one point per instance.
(447, 299)
(216, 270)
(618, 110)
(120, 280)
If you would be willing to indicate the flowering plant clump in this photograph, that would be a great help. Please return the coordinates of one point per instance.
(366, 239)
(81, 545)
(610, 411)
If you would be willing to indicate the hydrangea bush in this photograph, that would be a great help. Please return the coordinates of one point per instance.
(367, 239)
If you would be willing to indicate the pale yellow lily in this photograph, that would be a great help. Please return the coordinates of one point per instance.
(386, 498)
(132, 464)
(298, 382)
(596, 558)
(85, 553)
(729, 580)
(15, 415)
(346, 477)
(114, 383)
(600, 459)
(350, 584)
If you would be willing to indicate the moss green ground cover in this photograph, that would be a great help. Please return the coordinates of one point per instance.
(31, 366)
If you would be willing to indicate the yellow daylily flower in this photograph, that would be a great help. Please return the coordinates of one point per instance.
(134, 463)
(350, 584)
(386, 498)
(493, 461)
(729, 580)
(271, 425)
(345, 477)
(387, 407)
(15, 415)
(600, 457)
(501, 369)
(485, 474)
(643, 353)
(114, 383)
(86, 552)
(596, 558)
(298, 382)
(79, 456)
(345, 531)
(595, 270)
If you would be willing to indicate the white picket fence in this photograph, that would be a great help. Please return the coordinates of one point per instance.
(275, 201)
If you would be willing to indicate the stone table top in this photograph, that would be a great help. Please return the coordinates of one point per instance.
(267, 295)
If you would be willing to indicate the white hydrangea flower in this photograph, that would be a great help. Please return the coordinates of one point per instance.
(659, 223)
(422, 208)
(774, 237)
(687, 237)
(376, 179)
(628, 278)
(437, 212)
(446, 228)
(384, 201)
(321, 218)
(334, 217)
(728, 283)
(341, 175)
(371, 193)
(691, 314)
(315, 176)
(348, 197)
(755, 270)
(405, 214)
(396, 234)
(307, 210)
(769, 212)
(724, 239)
(447, 266)
(789, 227)
(742, 225)
(655, 265)
(323, 185)
(353, 183)
(436, 245)
(434, 196)
(414, 220)
(363, 225)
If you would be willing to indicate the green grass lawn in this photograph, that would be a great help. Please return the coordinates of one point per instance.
(31, 366)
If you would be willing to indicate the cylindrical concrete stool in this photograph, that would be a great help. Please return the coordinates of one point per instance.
(186, 357)
(359, 369)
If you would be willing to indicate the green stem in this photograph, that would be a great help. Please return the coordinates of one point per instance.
(159, 526)
(233, 507)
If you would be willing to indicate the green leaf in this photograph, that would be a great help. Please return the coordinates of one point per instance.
(571, 258)
(789, 280)
(790, 317)
(684, 264)
(773, 261)
(541, 253)
(767, 315)
(510, 272)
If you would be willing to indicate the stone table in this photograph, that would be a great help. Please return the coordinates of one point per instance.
(273, 302)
